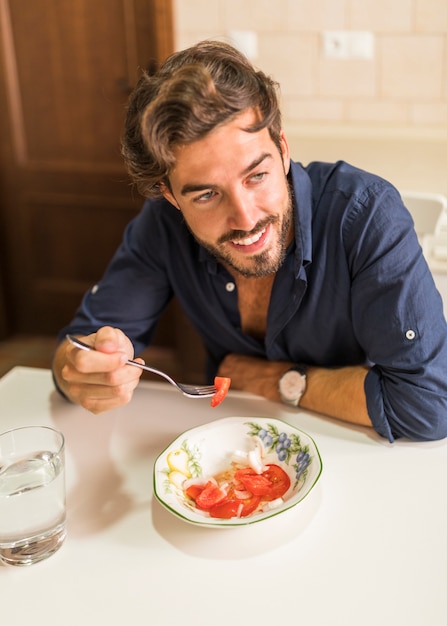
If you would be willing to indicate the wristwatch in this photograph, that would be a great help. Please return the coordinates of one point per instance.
(292, 385)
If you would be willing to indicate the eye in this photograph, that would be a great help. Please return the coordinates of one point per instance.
(259, 177)
(205, 197)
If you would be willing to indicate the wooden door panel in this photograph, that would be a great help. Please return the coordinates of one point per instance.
(83, 252)
(66, 67)
(71, 245)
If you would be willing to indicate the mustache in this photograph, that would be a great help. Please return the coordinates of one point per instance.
(234, 235)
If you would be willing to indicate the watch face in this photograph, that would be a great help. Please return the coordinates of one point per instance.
(292, 385)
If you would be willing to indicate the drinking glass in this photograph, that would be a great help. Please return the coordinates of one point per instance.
(32, 494)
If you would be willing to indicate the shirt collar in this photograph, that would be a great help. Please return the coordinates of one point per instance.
(302, 200)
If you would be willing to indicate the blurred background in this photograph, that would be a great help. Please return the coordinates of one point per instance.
(361, 80)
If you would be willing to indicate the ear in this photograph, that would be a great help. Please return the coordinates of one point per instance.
(285, 151)
(168, 195)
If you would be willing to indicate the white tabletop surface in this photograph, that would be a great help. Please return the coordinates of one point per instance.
(367, 546)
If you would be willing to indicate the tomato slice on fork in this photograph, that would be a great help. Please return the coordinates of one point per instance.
(222, 385)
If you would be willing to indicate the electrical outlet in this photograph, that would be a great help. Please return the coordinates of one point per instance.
(345, 44)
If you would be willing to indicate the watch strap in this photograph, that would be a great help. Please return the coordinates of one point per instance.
(299, 367)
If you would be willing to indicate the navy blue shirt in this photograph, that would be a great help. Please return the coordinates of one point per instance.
(354, 289)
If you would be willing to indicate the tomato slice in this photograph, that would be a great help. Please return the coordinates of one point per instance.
(193, 491)
(271, 484)
(234, 507)
(244, 495)
(222, 385)
(280, 482)
(210, 495)
(249, 505)
(257, 484)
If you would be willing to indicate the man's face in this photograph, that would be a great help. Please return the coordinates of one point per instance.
(232, 190)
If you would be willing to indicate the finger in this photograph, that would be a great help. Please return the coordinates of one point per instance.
(100, 372)
(99, 398)
(109, 340)
(91, 361)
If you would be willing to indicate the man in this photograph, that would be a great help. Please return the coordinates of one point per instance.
(307, 285)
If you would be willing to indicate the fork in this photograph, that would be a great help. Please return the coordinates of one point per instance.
(190, 391)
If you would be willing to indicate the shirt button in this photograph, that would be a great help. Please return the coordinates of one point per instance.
(410, 334)
(94, 289)
(230, 287)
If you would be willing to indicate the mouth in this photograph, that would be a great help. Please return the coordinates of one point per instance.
(248, 241)
(254, 243)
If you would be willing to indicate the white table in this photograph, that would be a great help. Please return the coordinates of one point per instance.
(368, 546)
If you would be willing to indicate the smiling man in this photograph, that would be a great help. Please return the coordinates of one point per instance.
(306, 284)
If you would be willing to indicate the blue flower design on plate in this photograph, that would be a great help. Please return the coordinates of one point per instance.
(287, 447)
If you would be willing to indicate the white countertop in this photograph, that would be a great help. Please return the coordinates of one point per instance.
(368, 545)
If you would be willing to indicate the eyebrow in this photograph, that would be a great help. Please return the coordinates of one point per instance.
(192, 188)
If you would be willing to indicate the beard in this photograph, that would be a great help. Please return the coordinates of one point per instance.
(259, 265)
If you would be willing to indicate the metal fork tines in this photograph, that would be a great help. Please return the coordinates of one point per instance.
(190, 391)
(195, 390)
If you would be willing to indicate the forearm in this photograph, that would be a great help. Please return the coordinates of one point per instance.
(338, 393)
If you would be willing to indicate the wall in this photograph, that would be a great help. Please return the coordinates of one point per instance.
(405, 83)
(388, 114)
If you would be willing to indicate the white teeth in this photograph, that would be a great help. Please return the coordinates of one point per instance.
(250, 240)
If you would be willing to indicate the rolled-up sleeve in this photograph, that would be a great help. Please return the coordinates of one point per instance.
(398, 319)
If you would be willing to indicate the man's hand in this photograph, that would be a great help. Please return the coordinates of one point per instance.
(99, 379)
(255, 375)
(336, 392)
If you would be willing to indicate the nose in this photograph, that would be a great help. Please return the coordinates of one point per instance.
(242, 213)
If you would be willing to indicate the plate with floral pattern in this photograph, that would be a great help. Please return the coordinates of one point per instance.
(218, 449)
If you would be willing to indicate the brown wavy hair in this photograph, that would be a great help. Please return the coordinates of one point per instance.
(193, 92)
